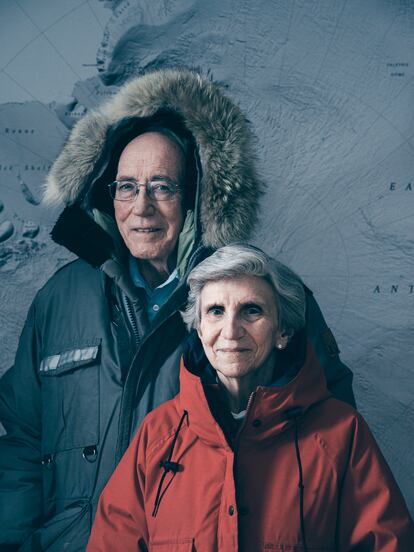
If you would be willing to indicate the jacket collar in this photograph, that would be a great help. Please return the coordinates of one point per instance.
(270, 409)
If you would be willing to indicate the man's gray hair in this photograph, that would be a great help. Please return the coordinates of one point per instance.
(237, 260)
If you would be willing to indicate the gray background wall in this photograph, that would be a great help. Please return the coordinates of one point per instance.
(328, 86)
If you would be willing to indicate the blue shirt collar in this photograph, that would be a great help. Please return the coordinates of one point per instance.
(155, 298)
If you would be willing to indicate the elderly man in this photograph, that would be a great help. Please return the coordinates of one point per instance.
(152, 182)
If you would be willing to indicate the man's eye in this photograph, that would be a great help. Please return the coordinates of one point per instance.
(125, 186)
(161, 187)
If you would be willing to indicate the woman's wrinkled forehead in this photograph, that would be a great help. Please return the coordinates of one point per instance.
(239, 289)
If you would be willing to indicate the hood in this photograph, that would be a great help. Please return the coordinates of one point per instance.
(275, 406)
(228, 188)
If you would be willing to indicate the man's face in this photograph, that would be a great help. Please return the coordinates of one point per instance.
(150, 229)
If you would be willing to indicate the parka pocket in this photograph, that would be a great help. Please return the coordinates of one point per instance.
(278, 547)
(176, 545)
(70, 398)
(68, 530)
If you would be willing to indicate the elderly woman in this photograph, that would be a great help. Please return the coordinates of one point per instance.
(254, 453)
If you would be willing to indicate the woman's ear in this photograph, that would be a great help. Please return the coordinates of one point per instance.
(281, 340)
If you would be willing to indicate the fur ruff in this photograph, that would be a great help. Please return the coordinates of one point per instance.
(230, 188)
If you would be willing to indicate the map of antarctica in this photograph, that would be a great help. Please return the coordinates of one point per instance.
(328, 87)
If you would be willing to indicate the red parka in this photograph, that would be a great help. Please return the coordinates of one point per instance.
(181, 486)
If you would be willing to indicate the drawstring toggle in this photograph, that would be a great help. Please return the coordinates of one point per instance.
(170, 466)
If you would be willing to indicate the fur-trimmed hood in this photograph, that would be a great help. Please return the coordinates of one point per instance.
(230, 188)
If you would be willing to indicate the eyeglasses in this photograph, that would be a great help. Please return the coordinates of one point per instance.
(158, 189)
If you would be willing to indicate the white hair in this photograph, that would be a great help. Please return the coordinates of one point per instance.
(237, 260)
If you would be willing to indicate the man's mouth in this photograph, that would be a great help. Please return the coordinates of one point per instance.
(146, 230)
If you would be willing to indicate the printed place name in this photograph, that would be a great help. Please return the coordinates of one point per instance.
(397, 69)
(394, 187)
(44, 168)
(9, 130)
(28, 167)
(407, 289)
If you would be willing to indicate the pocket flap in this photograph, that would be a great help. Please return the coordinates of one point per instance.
(65, 361)
(179, 545)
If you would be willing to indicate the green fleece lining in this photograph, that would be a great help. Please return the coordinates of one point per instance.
(186, 243)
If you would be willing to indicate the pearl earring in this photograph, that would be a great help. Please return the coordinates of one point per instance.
(279, 346)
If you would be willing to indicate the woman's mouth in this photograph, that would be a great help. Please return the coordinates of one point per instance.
(235, 350)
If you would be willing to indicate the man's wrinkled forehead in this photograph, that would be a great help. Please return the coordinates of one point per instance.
(153, 151)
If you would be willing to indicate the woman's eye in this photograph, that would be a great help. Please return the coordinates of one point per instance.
(215, 311)
(252, 310)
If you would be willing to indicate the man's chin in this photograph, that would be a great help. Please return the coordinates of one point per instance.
(144, 254)
(150, 253)
(146, 246)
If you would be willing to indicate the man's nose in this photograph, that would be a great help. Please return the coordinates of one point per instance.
(232, 327)
(142, 204)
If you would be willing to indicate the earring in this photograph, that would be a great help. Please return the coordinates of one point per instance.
(279, 346)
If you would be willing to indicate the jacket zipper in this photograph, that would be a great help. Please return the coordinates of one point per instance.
(130, 391)
(236, 448)
(131, 318)
(134, 377)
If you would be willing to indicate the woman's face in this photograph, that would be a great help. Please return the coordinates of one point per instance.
(238, 326)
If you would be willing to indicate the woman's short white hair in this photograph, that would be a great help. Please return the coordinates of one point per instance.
(237, 260)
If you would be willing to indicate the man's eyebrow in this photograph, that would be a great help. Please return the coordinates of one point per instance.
(160, 176)
(122, 177)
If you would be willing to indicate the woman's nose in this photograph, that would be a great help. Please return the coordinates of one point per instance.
(232, 327)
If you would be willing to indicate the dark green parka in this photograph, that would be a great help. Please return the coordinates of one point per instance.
(89, 366)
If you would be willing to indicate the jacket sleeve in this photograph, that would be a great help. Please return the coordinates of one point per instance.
(120, 522)
(373, 516)
(20, 455)
(338, 376)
